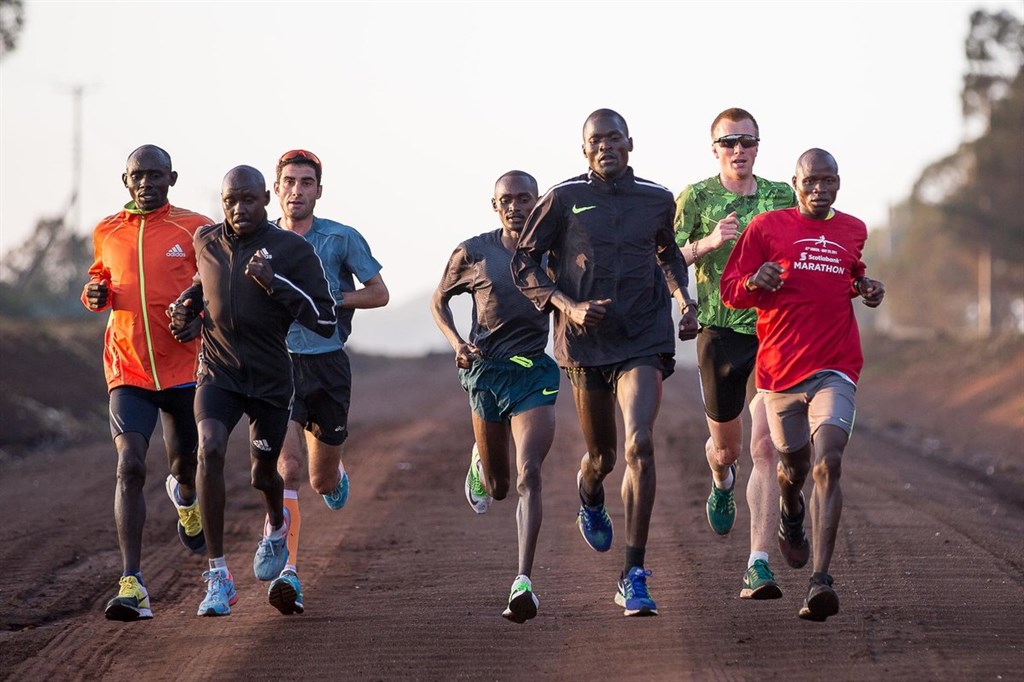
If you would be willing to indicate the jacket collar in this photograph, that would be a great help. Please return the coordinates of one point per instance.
(611, 186)
(259, 232)
(132, 213)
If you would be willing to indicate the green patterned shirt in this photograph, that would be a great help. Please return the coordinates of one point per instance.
(699, 207)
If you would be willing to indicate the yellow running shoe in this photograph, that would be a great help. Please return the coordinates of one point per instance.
(190, 521)
(131, 602)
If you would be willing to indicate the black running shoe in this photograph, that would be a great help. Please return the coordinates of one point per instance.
(792, 541)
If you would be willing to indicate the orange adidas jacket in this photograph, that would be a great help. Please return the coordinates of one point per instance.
(147, 259)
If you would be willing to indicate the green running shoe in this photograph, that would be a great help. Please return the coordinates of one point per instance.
(722, 506)
(522, 602)
(759, 582)
(476, 494)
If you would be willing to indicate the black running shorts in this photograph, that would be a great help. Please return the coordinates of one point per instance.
(323, 392)
(267, 423)
(725, 362)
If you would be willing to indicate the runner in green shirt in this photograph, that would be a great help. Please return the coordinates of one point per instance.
(710, 215)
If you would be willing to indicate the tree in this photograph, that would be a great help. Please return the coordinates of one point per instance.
(964, 219)
(12, 20)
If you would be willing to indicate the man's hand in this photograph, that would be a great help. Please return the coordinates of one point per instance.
(97, 294)
(688, 325)
(465, 354)
(259, 269)
(588, 313)
(726, 230)
(767, 277)
(185, 323)
(871, 290)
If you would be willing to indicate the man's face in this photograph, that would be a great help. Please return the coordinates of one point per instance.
(148, 177)
(514, 198)
(245, 204)
(297, 190)
(736, 162)
(816, 183)
(607, 145)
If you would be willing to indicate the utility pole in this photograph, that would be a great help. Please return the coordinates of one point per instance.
(74, 211)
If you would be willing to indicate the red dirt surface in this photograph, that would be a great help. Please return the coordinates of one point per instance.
(407, 583)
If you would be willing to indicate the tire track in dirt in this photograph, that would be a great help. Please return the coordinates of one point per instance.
(407, 583)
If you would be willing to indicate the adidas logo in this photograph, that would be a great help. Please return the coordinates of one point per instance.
(261, 444)
(176, 252)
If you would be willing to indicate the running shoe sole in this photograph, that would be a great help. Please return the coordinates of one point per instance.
(822, 602)
(284, 598)
(522, 608)
(126, 613)
(642, 611)
(767, 590)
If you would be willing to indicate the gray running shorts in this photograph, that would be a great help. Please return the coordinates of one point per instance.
(795, 414)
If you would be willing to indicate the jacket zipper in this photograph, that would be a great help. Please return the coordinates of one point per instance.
(145, 310)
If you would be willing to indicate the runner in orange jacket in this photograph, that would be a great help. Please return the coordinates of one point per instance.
(143, 259)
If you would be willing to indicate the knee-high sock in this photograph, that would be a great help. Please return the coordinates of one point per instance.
(291, 502)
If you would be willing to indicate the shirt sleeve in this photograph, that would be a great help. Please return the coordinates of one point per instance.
(303, 290)
(686, 216)
(97, 271)
(358, 258)
(747, 256)
(542, 231)
(458, 275)
(669, 256)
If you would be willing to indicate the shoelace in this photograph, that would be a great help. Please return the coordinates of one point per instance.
(476, 485)
(126, 587)
(793, 529)
(590, 516)
(637, 584)
(266, 547)
(217, 581)
(762, 571)
(191, 520)
(725, 502)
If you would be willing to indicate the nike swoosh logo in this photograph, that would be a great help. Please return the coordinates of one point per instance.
(581, 209)
(548, 391)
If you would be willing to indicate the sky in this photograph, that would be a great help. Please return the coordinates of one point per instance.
(417, 108)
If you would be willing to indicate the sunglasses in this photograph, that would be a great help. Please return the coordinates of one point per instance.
(299, 154)
(731, 141)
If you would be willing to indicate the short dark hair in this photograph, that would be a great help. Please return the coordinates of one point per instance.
(299, 157)
(151, 148)
(520, 174)
(607, 113)
(735, 114)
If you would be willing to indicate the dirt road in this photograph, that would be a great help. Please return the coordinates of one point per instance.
(406, 583)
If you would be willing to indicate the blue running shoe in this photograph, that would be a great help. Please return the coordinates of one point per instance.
(272, 555)
(337, 498)
(594, 523)
(286, 594)
(633, 596)
(220, 594)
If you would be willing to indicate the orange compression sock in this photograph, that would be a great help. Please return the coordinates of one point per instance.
(291, 502)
